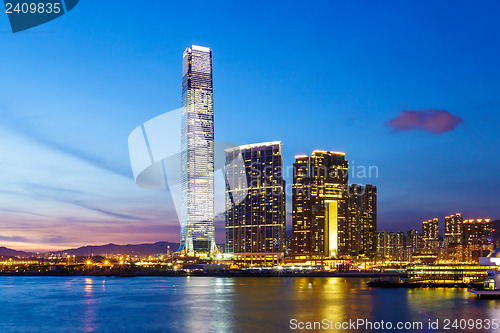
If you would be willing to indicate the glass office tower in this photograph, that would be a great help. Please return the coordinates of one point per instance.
(255, 201)
(197, 140)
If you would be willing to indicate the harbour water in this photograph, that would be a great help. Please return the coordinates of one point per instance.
(217, 304)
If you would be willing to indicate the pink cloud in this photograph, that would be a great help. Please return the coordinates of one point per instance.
(428, 120)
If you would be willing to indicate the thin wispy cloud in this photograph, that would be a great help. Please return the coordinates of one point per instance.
(14, 239)
(108, 212)
(16, 123)
(428, 120)
(3, 210)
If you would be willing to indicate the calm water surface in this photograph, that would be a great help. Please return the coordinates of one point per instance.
(211, 304)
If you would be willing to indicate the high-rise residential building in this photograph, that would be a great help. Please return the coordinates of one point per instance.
(301, 209)
(197, 156)
(398, 245)
(382, 244)
(413, 243)
(413, 240)
(391, 244)
(386, 245)
(453, 229)
(319, 202)
(399, 252)
(255, 202)
(453, 238)
(430, 234)
(361, 231)
(477, 239)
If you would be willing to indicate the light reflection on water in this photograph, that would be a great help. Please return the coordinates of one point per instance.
(90, 306)
(211, 304)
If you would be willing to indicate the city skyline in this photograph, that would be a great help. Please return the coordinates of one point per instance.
(260, 166)
(419, 110)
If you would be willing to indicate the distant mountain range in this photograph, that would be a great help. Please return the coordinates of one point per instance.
(13, 253)
(129, 249)
(108, 249)
(100, 250)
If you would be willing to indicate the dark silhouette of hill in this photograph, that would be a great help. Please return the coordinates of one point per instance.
(129, 249)
(4, 251)
(108, 249)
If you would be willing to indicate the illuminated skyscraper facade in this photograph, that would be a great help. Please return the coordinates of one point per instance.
(453, 237)
(320, 205)
(255, 202)
(477, 239)
(386, 245)
(430, 234)
(197, 157)
(413, 243)
(453, 229)
(361, 231)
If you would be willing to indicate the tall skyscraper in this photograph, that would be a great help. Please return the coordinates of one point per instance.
(319, 205)
(255, 202)
(361, 231)
(197, 140)
(430, 234)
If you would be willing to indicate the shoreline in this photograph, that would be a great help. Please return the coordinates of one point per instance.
(259, 274)
(267, 273)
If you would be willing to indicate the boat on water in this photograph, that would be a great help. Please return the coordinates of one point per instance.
(389, 281)
(491, 286)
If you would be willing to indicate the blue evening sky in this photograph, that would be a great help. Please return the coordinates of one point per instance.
(315, 75)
